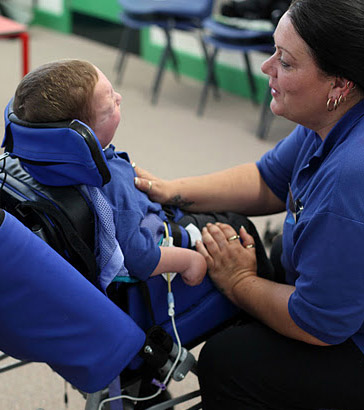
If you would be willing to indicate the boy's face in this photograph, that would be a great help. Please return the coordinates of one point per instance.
(106, 107)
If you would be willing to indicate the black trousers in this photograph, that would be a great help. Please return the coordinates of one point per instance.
(264, 266)
(252, 367)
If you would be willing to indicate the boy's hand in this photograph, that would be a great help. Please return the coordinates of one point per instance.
(196, 271)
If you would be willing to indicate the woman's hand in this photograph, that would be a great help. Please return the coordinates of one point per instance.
(229, 258)
(155, 188)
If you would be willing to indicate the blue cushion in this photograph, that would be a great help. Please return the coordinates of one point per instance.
(137, 22)
(50, 313)
(179, 8)
(58, 154)
(214, 28)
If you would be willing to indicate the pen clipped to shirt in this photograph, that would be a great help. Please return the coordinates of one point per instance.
(295, 206)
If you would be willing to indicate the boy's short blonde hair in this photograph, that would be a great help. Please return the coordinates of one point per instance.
(57, 91)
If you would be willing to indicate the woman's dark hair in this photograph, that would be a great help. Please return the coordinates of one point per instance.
(334, 31)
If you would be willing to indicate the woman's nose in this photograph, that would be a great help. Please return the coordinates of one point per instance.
(267, 66)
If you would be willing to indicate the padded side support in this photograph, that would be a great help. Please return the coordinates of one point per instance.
(50, 313)
(57, 154)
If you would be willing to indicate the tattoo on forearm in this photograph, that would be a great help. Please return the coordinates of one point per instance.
(180, 202)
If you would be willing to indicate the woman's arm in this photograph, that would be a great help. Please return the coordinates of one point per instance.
(232, 267)
(189, 264)
(268, 302)
(239, 189)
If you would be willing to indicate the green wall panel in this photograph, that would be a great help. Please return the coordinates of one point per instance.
(56, 22)
(105, 9)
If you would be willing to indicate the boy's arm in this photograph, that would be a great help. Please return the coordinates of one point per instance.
(190, 264)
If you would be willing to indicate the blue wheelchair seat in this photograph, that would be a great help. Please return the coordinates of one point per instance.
(46, 156)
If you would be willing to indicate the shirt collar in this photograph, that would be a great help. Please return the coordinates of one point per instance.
(341, 129)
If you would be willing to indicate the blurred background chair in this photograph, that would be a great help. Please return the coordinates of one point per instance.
(185, 15)
(12, 29)
(222, 36)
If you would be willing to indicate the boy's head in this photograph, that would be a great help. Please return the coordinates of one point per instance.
(67, 90)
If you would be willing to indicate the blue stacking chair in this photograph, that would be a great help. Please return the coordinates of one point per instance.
(222, 36)
(184, 15)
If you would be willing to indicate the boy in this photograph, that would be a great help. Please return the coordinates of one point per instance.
(74, 89)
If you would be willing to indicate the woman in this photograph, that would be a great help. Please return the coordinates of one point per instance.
(305, 350)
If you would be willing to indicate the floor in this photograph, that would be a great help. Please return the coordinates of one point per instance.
(168, 139)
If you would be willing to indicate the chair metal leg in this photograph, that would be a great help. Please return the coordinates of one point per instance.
(3, 356)
(253, 87)
(266, 116)
(181, 399)
(167, 52)
(172, 55)
(12, 366)
(93, 401)
(158, 79)
(208, 81)
(213, 81)
(123, 46)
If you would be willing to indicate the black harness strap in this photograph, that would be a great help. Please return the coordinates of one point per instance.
(144, 289)
(72, 239)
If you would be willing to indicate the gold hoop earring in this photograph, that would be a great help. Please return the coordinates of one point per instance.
(328, 105)
(342, 99)
(348, 84)
(336, 104)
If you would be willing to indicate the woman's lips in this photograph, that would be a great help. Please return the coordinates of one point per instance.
(274, 91)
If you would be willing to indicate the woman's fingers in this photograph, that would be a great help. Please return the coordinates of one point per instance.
(142, 173)
(246, 239)
(200, 247)
(154, 187)
(210, 243)
(242, 239)
(144, 179)
(143, 184)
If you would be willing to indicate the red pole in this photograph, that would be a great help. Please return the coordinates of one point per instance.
(25, 51)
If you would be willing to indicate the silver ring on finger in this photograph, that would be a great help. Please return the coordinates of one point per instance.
(150, 185)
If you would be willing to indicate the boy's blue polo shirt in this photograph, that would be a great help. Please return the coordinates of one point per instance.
(138, 220)
(323, 250)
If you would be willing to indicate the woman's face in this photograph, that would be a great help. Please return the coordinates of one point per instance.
(106, 108)
(299, 89)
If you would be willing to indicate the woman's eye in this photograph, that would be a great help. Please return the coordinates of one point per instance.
(283, 63)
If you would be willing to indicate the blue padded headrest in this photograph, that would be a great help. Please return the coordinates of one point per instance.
(59, 154)
(179, 8)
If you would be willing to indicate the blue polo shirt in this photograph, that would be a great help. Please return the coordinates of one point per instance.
(323, 235)
(138, 220)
